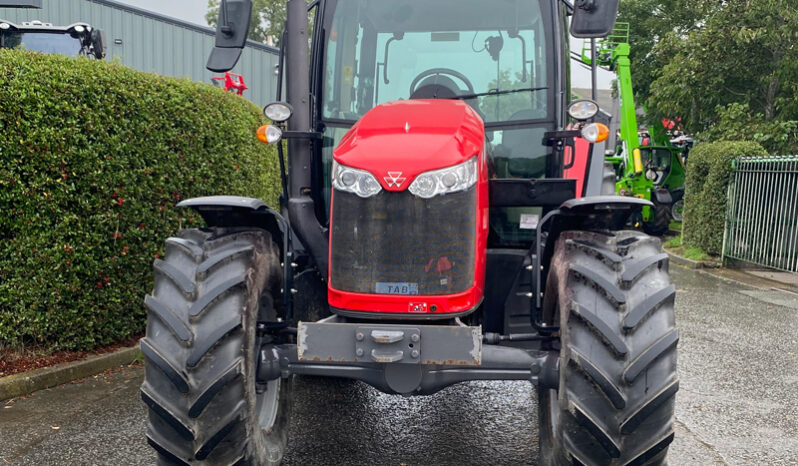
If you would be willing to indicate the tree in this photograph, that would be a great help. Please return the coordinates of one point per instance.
(650, 21)
(266, 25)
(728, 68)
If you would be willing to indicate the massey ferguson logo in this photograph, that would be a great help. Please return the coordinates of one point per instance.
(395, 179)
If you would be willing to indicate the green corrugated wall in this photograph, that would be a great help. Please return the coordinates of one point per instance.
(153, 43)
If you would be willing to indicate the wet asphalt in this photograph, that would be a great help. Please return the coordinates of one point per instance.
(738, 403)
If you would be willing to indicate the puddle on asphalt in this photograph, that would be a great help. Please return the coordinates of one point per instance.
(774, 296)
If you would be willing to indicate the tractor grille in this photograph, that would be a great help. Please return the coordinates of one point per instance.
(397, 243)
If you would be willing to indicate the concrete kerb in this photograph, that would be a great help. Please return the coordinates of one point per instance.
(28, 382)
(689, 263)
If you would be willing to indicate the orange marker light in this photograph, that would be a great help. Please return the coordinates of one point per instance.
(262, 134)
(596, 132)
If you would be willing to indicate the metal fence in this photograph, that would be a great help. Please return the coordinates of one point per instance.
(762, 212)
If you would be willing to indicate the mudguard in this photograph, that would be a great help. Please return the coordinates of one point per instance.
(587, 213)
(663, 196)
(236, 211)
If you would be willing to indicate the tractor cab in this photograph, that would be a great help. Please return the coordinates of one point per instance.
(657, 162)
(78, 39)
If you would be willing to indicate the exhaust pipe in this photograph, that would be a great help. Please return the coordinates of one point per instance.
(301, 210)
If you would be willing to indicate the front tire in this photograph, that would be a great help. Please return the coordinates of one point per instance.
(200, 350)
(661, 219)
(614, 303)
(677, 208)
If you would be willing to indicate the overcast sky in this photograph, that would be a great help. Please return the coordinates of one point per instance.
(194, 11)
(187, 10)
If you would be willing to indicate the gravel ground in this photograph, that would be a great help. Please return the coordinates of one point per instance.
(738, 403)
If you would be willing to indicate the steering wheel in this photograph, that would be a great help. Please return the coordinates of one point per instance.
(414, 89)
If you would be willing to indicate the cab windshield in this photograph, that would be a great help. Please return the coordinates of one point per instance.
(490, 54)
(44, 42)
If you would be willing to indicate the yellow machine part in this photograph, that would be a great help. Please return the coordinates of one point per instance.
(638, 160)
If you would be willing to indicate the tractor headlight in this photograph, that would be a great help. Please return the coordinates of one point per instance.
(582, 110)
(355, 181)
(278, 112)
(445, 181)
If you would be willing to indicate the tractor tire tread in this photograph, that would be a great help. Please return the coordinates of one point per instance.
(218, 259)
(161, 407)
(616, 324)
(213, 388)
(160, 310)
(207, 288)
(215, 338)
(641, 413)
(167, 367)
(633, 269)
(177, 277)
(610, 258)
(214, 295)
(595, 428)
(610, 289)
(601, 329)
(650, 355)
(645, 308)
(187, 246)
(600, 379)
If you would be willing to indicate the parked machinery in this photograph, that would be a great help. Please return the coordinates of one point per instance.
(425, 237)
(651, 168)
(78, 39)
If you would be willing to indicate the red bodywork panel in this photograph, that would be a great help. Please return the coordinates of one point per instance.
(403, 140)
(579, 169)
(412, 137)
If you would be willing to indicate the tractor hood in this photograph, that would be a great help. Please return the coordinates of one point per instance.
(410, 137)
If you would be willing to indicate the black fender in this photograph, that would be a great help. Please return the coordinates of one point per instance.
(677, 194)
(608, 213)
(662, 196)
(236, 211)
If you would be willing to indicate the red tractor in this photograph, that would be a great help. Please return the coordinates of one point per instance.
(426, 236)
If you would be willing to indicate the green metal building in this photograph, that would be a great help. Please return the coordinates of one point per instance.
(151, 42)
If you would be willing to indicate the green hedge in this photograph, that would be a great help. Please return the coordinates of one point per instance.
(708, 173)
(93, 157)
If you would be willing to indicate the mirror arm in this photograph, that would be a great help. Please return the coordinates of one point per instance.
(224, 25)
(280, 62)
(517, 35)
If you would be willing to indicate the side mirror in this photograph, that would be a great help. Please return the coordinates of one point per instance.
(593, 18)
(98, 43)
(232, 28)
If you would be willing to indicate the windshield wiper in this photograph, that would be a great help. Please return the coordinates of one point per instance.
(498, 92)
